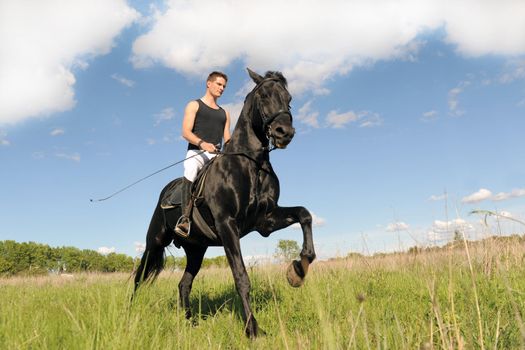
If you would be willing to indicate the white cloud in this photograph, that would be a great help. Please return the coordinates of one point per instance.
(485, 194)
(140, 247)
(124, 81)
(369, 120)
(322, 41)
(235, 110)
(436, 198)
(57, 132)
(3, 140)
(478, 196)
(515, 70)
(317, 221)
(336, 120)
(69, 156)
(397, 226)
(164, 115)
(307, 116)
(43, 42)
(444, 230)
(453, 98)
(168, 138)
(481, 27)
(435, 237)
(311, 42)
(106, 250)
(515, 193)
(429, 116)
(339, 120)
(441, 226)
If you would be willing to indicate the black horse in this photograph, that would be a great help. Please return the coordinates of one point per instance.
(239, 196)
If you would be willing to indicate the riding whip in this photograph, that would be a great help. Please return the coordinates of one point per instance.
(144, 178)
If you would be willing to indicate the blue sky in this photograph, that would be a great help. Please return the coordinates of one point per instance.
(409, 115)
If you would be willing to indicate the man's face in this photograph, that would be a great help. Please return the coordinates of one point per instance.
(217, 86)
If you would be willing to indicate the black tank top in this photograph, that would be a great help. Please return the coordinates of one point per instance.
(209, 124)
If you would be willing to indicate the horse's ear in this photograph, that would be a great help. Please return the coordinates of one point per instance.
(256, 77)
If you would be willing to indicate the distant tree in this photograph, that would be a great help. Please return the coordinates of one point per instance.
(6, 267)
(71, 258)
(92, 261)
(175, 263)
(219, 261)
(353, 255)
(458, 237)
(287, 250)
(118, 263)
(415, 250)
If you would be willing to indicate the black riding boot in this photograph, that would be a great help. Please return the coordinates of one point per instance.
(183, 224)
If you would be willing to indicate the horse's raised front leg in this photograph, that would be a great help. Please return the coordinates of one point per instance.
(281, 217)
(230, 238)
(194, 257)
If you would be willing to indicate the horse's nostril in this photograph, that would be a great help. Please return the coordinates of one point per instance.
(284, 131)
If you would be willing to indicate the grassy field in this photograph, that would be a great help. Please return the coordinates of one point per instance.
(456, 298)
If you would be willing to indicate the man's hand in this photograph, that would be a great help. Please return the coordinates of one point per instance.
(208, 147)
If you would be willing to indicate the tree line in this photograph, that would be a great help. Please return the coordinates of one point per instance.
(30, 258)
(34, 258)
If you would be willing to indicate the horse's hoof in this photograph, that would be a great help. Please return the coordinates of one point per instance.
(256, 334)
(252, 330)
(293, 274)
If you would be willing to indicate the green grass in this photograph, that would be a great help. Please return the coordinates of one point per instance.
(403, 301)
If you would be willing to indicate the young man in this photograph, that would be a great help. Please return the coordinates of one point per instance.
(204, 126)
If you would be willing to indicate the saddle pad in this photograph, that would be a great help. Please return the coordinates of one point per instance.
(173, 191)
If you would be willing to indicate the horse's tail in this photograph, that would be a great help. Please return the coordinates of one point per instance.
(150, 266)
(152, 261)
(157, 238)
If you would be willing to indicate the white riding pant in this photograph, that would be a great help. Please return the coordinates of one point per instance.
(194, 164)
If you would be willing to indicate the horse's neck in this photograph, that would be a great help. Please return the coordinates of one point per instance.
(244, 138)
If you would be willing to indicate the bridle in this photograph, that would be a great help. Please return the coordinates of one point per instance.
(267, 120)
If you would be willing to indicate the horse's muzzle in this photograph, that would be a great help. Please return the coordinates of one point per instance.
(283, 135)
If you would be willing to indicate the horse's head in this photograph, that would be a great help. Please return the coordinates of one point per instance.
(272, 100)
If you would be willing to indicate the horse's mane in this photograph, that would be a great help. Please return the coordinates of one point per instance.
(276, 75)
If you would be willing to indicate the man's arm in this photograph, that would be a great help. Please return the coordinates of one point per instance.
(187, 126)
(227, 134)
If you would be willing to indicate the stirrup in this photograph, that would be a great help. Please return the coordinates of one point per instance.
(179, 231)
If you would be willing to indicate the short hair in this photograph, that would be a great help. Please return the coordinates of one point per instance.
(214, 75)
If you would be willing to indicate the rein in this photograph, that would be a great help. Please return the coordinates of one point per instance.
(246, 153)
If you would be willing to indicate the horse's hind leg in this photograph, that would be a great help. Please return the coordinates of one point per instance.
(194, 257)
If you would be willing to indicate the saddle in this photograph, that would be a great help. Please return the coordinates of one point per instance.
(174, 191)
(172, 197)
